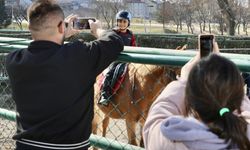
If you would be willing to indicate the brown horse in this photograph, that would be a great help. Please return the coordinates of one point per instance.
(142, 84)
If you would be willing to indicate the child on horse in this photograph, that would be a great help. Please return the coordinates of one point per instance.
(116, 69)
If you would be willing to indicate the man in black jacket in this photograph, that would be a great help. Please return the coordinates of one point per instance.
(53, 82)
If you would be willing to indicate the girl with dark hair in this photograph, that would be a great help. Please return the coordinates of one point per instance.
(205, 109)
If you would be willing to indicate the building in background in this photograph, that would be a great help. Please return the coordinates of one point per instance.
(142, 8)
(139, 8)
(244, 3)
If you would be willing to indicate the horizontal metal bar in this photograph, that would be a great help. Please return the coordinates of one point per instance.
(14, 31)
(9, 39)
(243, 64)
(138, 34)
(110, 144)
(172, 52)
(161, 56)
(7, 114)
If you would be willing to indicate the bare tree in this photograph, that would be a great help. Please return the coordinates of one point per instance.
(189, 16)
(238, 17)
(4, 17)
(178, 14)
(245, 19)
(213, 10)
(202, 13)
(19, 14)
(226, 9)
(165, 13)
(219, 18)
(161, 14)
(242, 16)
(107, 9)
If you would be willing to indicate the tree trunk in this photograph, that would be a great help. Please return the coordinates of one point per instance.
(204, 25)
(108, 22)
(188, 28)
(192, 31)
(231, 28)
(245, 28)
(181, 25)
(200, 27)
(209, 27)
(238, 29)
(230, 15)
(221, 28)
(163, 16)
(112, 22)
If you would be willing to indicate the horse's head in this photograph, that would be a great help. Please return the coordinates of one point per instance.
(171, 72)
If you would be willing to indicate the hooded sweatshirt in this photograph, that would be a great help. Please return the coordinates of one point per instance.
(192, 133)
(165, 129)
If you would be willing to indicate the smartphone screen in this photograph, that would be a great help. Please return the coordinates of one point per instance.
(82, 23)
(206, 44)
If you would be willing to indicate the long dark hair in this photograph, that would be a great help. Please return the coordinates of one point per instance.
(215, 82)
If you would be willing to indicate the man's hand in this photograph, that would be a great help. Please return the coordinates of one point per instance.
(95, 28)
(189, 65)
(69, 30)
(216, 48)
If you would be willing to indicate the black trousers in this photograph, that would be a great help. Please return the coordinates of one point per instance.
(110, 79)
(246, 77)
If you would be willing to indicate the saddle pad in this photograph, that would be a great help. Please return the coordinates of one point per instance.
(118, 80)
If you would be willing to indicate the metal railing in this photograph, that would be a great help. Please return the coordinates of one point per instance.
(116, 138)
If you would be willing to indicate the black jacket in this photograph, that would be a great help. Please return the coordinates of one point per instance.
(53, 89)
(128, 38)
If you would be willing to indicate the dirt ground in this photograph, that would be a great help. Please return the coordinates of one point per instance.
(7, 130)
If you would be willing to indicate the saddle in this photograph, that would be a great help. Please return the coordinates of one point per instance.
(110, 81)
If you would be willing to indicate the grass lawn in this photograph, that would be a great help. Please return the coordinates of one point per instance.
(146, 29)
(139, 26)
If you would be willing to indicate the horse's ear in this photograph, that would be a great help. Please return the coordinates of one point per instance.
(178, 71)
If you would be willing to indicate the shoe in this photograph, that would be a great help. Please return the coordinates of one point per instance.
(103, 101)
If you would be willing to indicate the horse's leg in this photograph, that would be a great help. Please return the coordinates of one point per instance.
(141, 128)
(105, 124)
(94, 127)
(131, 125)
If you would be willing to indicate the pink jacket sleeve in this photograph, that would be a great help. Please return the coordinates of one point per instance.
(170, 102)
(245, 109)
